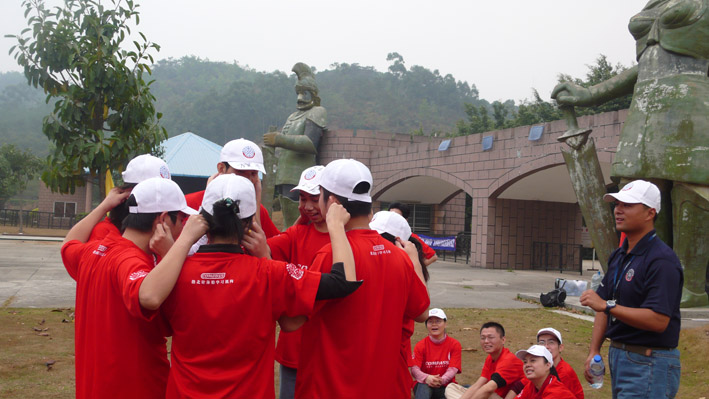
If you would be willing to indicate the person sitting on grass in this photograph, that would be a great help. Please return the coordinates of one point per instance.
(542, 380)
(436, 359)
(500, 371)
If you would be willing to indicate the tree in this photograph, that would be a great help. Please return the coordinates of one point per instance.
(17, 168)
(104, 112)
(398, 68)
(599, 72)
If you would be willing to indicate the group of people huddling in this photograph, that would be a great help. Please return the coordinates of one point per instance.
(212, 271)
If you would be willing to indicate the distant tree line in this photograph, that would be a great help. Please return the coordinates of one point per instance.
(220, 101)
(537, 110)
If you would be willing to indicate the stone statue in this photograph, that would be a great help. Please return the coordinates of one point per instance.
(665, 138)
(297, 143)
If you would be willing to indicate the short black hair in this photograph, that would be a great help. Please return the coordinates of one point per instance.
(354, 208)
(403, 208)
(142, 221)
(117, 214)
(419, 250)
(497, 326)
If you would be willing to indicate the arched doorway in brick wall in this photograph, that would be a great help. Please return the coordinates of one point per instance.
(437, 199)
(534, 217)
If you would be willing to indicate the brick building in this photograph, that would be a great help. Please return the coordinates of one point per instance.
(519, 187)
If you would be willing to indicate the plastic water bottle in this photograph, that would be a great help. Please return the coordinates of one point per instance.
(596, 281)
(597, 369)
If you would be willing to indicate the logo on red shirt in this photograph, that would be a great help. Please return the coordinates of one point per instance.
(295, 271)
(101, 250)
(136, 275)
(213, 276)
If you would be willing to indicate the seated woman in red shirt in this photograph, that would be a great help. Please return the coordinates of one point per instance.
(225, 303)
(542, 382)
(437, 359)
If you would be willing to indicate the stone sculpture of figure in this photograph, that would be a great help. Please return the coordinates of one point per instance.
(297, 143)
(665, 138)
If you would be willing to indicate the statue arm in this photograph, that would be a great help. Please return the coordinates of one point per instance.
(568, 93)
(306, 143)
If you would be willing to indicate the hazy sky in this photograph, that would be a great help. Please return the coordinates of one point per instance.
(504, 47)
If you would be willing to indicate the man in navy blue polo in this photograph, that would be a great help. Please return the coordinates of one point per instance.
(637, 304)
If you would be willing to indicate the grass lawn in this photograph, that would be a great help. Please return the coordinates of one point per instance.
(26, 348)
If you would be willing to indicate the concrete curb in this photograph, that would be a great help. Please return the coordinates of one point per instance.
(572, 302)
(29, 238)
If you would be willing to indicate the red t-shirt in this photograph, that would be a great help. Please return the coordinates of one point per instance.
(407, 330)
(435, 359)
(297, 245)
(103, 229)
(568, 377)
(350, 345)
(222, 312)
(194, 201)
(120, 348)
(551, 389)
(507, 366)
(428, 252)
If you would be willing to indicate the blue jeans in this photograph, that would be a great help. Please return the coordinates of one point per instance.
(423, 391)
(287, 382)
(638, 376)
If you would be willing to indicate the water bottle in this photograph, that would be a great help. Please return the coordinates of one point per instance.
(597, 370)
(596, 281)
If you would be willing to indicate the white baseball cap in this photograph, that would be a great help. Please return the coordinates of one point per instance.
(341, 176)
(157, 195)
(551, 331)
(436, 312)
(310, 180)
(536, 350)
(239, 189)
(392, 223)
(637, 192)
(144, 167)
(242, 154)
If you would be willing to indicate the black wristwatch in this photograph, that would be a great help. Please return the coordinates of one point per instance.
(610, 304)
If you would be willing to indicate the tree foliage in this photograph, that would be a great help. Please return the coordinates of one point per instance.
(536, 110)
(17, 168)
(104, 112)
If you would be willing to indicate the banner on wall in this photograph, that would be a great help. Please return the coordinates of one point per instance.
(439, 243)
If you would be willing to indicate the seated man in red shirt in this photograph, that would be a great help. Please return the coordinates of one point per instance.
(542, 382)
(429, 253)
(437, 358)
(500, 371)
(243, 158)
(550, 338)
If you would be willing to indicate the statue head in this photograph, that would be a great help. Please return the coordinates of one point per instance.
(306, 88)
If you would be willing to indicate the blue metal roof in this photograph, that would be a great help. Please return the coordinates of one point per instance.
(190, 155)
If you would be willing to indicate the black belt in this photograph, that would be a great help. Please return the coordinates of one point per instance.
(639, 349)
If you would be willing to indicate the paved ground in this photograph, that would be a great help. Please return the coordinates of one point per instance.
(32, 275)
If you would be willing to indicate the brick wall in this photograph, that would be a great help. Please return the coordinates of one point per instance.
(449, 218)
(47, 199)
(514, 225)
(481, 174)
